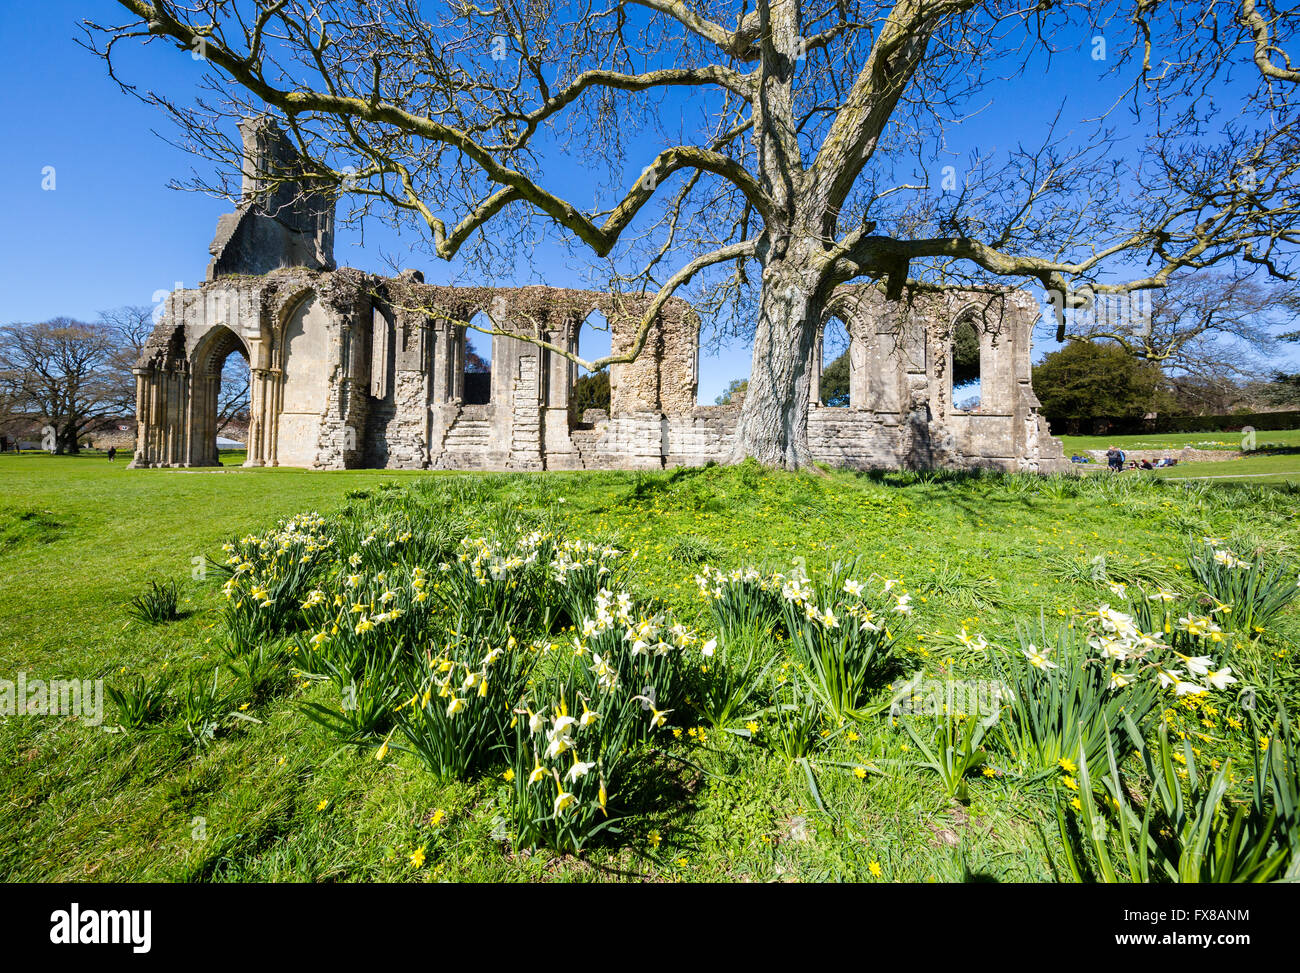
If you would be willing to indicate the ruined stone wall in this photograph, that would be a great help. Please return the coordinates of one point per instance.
(348, 369)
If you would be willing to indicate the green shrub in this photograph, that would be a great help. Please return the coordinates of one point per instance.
(458, 715)
(952, 750)
(201, 708)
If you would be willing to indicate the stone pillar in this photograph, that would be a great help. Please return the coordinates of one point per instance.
(259, 382)
(142, 418)
(558, 448)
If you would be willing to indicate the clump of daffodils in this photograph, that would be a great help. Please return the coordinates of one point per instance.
(1134, 654)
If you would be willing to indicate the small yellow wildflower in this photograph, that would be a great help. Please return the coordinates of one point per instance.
(875, 869)
(417, 857)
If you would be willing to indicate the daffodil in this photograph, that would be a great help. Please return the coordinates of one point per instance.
(1038, 659)
(562, 800)
(579, 769)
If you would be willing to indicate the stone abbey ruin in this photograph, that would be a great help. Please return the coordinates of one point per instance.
(349, 369)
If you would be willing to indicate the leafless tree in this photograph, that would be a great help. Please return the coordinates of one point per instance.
(1202, 328)
(64, 372)
(776, 153)
(232, 399)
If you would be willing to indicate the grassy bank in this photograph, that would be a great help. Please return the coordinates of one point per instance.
(273, 796)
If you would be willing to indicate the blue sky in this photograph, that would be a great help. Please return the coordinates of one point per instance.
(110, 233)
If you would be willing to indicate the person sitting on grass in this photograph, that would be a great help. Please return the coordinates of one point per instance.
(1146, 465)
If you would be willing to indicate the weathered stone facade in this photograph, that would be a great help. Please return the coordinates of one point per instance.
(354, 370)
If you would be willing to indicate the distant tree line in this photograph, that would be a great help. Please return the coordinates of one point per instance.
(75, 376)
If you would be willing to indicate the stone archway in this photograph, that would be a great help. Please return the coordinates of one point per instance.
(206, 366)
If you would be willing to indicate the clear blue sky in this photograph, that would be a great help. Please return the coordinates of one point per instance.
(110, 233)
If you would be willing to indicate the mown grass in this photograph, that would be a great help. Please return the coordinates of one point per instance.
(1177, 440)
(274, 799)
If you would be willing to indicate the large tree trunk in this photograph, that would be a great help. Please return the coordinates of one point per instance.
(66, 441)
(773, 425)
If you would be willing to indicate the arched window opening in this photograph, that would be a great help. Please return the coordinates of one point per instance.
(220, 402)
(478, 361)
(590, 390)
(834, 388)
(965, 370)
(233, 415)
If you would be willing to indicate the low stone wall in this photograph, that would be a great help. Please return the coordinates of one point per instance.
(1187, 455)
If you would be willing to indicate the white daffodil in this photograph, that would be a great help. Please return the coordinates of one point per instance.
(1221, 679)
(606, 675)
(562, 725)
(562, 800)
(579, 769)
(1168, 678)
(1197, 665)
(707, 648)
(455, 706)
(1038, 659)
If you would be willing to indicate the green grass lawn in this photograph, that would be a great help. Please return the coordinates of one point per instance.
(1263, 468)
(276, 798)
(1177, 440)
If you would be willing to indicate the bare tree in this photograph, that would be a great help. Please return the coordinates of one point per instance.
(129, 327)
(1201, 328)
(784, 156)
(232, 399)
(64, 371)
